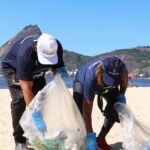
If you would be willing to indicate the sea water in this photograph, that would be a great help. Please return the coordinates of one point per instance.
(69, 82)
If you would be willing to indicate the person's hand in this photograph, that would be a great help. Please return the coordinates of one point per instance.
(91, 143)
(121, 98)
(62, 71)
(38, 120)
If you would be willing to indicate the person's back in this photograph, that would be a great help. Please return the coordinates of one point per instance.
(19, 48)
(109, 78)
(87, 76)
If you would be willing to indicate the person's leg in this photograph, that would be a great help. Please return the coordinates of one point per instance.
(17, 105)
(101, 141)
(106, 127)
(111, 117)
(78, 94)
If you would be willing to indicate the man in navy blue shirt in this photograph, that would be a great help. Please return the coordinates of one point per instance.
(23, 68)
(107, 77)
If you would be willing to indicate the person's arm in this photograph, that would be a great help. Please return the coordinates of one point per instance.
(60, 66)
(123, 85)
(26, 87)
(60, 50)
(87, 114)
(124, 80)
(91, 143)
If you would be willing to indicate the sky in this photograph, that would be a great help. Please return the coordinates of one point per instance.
(88, 27)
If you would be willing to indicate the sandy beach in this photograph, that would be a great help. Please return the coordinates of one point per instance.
(138, 100)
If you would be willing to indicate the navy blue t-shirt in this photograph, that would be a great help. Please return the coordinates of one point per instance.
(87, 76)
(22, 57)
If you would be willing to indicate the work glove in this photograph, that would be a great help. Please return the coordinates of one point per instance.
(62, 71)
(121, 98)
(38, 120)
(91, 143)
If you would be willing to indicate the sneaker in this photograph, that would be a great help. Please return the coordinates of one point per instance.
(22, 146)
(103, 144)
(29, 146)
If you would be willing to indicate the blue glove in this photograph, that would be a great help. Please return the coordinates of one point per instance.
(62, 71)
(91, 143)
(148, 148)
(121, 98)
(38, 120)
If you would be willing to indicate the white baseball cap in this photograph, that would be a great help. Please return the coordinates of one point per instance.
(47, 49)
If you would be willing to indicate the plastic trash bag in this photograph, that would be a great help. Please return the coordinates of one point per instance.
(136, 136)
(65, 129)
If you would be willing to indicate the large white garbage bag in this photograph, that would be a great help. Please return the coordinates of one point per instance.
(136, 136)
(65, 129)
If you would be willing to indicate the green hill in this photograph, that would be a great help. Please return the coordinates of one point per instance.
(137, 59)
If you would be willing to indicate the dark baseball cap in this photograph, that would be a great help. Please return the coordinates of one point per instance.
(112, 67)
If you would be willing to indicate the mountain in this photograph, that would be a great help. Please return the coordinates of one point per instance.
(137, 59)
(74, 60)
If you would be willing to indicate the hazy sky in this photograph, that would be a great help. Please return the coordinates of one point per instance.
(88, 27)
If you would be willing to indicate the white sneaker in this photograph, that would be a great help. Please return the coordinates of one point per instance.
(28, 145)
(21, 146)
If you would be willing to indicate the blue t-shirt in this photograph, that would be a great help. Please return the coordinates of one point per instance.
(87, 76)
(22, 57)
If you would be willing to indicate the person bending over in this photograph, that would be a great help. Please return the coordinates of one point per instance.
(23, 68)
(107, 77)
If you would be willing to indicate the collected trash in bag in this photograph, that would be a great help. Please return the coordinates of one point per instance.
(136, 136)
(53, 121)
